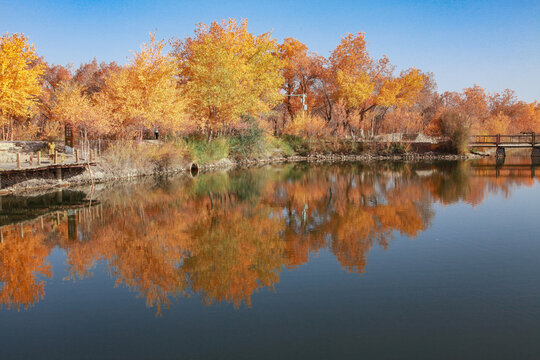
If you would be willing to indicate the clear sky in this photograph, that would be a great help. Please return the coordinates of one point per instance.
(495, 44)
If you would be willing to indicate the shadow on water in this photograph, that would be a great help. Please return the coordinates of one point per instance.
(14, 209)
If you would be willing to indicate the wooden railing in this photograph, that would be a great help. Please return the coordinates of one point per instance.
(516, 140)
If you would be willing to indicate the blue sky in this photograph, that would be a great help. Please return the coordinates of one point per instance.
(495, 44)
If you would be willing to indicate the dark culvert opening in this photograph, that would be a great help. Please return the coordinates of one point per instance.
(194, 169)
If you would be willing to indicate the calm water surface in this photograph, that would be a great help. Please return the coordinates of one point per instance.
(385, 261)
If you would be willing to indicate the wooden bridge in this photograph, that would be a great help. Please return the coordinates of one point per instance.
(501, 142)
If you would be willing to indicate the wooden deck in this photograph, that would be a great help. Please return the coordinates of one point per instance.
(11, 175)
(11, 169)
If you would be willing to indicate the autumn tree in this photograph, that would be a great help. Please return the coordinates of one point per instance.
(144, 95)
(402, 90)
(226, 73)
(484, 113)
(92, 75)
(428, 106)
(300, 71)
(364, 84)
(518, 116)
(473, 103)
(19, 80)
(52, 80)
(85, 113)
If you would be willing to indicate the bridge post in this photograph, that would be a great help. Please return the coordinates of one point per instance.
(58, 173)
(533, 139)
(498, 139)
(499, 162)
(534, 165)
(535, 152)
(500, 153)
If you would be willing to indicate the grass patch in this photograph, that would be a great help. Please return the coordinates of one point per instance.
(280, 146)
(204, 152)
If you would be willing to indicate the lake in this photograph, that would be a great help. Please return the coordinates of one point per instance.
(378, 261)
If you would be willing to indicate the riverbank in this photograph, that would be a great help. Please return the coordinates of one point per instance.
(103, 172)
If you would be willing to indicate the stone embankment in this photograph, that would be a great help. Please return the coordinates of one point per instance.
(321, 158)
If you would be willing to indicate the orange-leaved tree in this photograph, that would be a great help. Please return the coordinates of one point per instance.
(93, 75)
(301, 72)
(364, 84)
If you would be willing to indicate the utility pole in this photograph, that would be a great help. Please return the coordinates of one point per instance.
(302, 100)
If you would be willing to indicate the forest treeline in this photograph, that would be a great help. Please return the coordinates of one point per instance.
(225, 81)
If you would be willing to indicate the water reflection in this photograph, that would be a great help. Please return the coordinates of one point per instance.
(223, 236)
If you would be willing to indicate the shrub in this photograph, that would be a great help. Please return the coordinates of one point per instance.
(456, 127)
(306, 125)
(297, 143)
(250, 142)
(166, 155)
(133, 157)
(395, 148)
(125, 156)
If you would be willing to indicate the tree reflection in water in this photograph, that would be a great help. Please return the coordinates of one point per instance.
(223, 236)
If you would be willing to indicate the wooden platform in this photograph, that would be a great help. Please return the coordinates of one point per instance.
(55, 172)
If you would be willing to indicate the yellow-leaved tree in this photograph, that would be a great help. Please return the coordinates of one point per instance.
(399, 93)
(144, 95)
(226, 73)
(356, 73)
(87, 115)
(20, 85)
